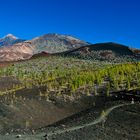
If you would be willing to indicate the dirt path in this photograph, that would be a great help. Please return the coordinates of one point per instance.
(96, 121)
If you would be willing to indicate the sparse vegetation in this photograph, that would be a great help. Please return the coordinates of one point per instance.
(32, 91)
(71, 75)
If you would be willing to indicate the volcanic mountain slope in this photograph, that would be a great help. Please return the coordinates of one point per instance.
(136, 52)
(19, 51)
(103, 51)
(50, 43)
(53, 43)
(9, 40)
(118, 49)
(61, 44)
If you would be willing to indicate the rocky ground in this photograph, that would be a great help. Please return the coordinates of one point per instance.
(121, 123)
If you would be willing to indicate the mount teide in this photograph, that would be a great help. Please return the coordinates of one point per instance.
(9, 40)
(14, 49)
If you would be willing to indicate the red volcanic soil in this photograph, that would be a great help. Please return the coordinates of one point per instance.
(136, 51)
(5, 64)
(42, 54)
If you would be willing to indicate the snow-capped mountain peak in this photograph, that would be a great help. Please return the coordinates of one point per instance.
(10, 36)
(9, 40)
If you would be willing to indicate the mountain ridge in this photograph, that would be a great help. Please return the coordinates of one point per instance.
(51, 43)
(54, 43)
(116, 47)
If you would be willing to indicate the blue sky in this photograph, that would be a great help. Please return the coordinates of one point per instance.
(90, 20)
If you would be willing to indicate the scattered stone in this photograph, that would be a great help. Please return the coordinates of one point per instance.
(33, 131)
(63, 126)
(7, 134)
(18, 136)
(46, 137)
(132, 101)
